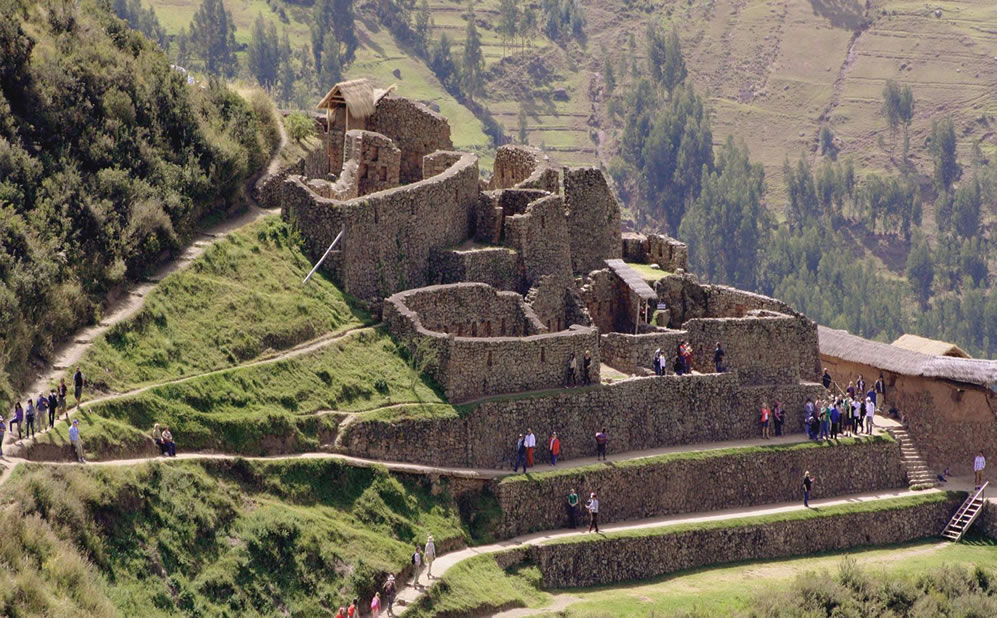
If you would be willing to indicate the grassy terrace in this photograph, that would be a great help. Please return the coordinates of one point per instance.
(239, 301)
(695, 455)
(232, 538)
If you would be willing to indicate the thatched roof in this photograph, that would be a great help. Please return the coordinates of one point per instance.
(357, 94)
(933, 347)
(841, 344)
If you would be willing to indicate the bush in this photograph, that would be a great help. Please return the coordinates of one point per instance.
(299, 126)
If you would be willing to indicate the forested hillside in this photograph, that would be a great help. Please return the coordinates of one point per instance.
(107, 158)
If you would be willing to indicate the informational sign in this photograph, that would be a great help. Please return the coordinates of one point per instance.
(661, 306)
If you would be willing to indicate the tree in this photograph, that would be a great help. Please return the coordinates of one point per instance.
(333, 38)
(264, 53)
(507, 28)
(528, 25)
(803, 203)
(522, 126)
(299, 126)
(656, 52)
(942, 147)
(213, 37)
(286, 72)
(423, 24)
(609, 74)
(674, 68)
(472, 57)
(826, 146)
(441, 62)
(966, 209)
(920, 269)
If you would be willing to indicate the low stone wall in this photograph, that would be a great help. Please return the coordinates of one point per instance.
(987, 521)
(514, 164)
(463, 309)
(638, 413)
(668, 253)
(707, 481)
(627, 353)
(494, 266)
(629, 558)
(761, 349)
(415, 129)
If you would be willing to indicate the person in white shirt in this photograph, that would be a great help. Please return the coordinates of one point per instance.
(529, 446)
(430, 552)
(592, 507)
(869, 415)
(74, 438)
(978, 466)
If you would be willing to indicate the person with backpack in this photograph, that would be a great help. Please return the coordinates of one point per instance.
(352, 609)
(810, 408)
(41, 406)
(417, 565)
(601, 437)
(656, 362)
(62, 396)
(78, 385)
(17, 418)
(592, 508)
(376, 605)
(389, 588)
(521, 454)
(29, 419)
(53, 406)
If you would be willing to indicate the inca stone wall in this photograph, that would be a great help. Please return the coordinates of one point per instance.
(620, 559)
(761, 349)
(495, 266)
(375, 161)
(705, 482)
(668, 253)
(541, 238)
(514, 164)
(416, 131)
(463, 309)
(639, 413)
(556, 304)
(388, 236)
(594, 216)
(627, 353)
(439, 161)
(987, 521)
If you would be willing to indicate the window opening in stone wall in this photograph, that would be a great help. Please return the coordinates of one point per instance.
(489, 329)
(503, 327)
(489, 358)
(543, 355)
(475, 330)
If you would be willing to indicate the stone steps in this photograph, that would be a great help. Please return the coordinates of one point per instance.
(918, 473)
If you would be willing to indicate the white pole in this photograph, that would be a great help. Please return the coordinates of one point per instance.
(328, 250)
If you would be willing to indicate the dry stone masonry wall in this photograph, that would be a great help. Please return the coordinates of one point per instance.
(414, 128)
(594, 216)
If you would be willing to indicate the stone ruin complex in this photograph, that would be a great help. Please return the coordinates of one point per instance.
(506, 279)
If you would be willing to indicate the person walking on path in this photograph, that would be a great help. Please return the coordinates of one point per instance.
(765, 417)
(807, 484)
(74, 439)
(158, 438)
(810, 409)
(571, 371)
(824, 422)
(657, 366)
(29, 419)
(377, 605)
(520, 457)
(389, 588)
(17, 418)
(880, 391)
(779, 418)
(592, 508)
(572, 504)
(718, 356)
(826, 378)
(78, 385)
(53, 407)
(586, 367)
(869, 415)
(554, 447)
(417, 565)
(352, 609)
(834, 420)
(529, 446)
(856, 423)
(168, 442)
(601, 437)
(430, 552)
(978, 466)
(62, 397)
(3, 432)
(41, 407)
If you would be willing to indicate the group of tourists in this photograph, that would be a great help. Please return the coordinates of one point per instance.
(164, 440)
(836, 416)
(575, 375)
(771, 415)
(387, 594)
(573, 509)
(524, 450)
(31, 417)
(683, 362)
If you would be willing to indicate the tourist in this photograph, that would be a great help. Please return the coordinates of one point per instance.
(688, 357)
(529, 447)
(765, 416)
(807, 483)
(62, 397)
(377, 605)
(572, 504)
(41, 407)
(554, 447)
(850, 390)
(834, 420)
(978, 465)
(586, 367)
(158, 438)
(871, 395)
(78, 385)
(389, 588)
(679, 365)
(810, 408)
(430, 552)
(53, 406)
(880, 391)
(719, 354)
(571, 371)
(814, 420)
(74, 439)
(17, 418)
(352, 609)
(861, 386)
(601, 437)
(29, 419)
(168, 442)
(824, 421)
(779, 418)
(592, 508)
(657, 365)
(869, 415)
(826, 378)
(341, 613)
(663, 364)
(3, 432)
(856, 404)
(520, 456)
(417, 565)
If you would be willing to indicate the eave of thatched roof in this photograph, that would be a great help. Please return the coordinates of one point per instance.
(932, 347)
(841, 344)
(357, 94)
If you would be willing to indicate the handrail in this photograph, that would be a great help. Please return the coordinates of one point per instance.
(981, 489)
(328, 250)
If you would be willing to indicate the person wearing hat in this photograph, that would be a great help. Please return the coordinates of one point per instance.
(592, 507)
(389, 587)
(74, 438)
(869, 415)
(158, 438)
(430, 552)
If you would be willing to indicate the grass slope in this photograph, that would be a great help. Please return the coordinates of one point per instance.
(240, 300)
(209, 539)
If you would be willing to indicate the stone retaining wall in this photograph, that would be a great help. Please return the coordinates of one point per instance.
(594, 218)
(620, 559)
(415, 129)
(639, 413)
(987, 520)
(700, 482)
(495, 266)
(629, 353)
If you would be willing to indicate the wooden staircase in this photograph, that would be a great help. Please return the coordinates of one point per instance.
(917, 472)
(965, 515)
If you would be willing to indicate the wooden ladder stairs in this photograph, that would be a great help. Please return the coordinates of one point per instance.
(918, 474)
(965, 515)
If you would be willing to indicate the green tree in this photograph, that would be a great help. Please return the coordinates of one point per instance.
(966, 210)
(299, 126)
(942, 147)
(472, 57)
(920, 269)
(803, 202)
(442, 63)
(609, 74)
(422, 27)
(264, 52)
(213, 37)
(826, 145)
(674, 68)
(522, 126)
(331, 68)
(527, 25)
(656, 52)
(286, 72)
(507, 28)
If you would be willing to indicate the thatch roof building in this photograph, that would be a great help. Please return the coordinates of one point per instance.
(933, 347)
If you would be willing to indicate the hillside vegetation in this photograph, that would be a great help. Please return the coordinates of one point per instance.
(107, 159)
(227, 538)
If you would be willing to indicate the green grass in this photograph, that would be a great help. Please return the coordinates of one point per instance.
(272, 408)
(232, 538)
(242, 299)
(648, 273)
(478, 586)
(745, 451)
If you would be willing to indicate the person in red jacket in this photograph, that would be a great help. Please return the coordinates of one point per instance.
(554, 447)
